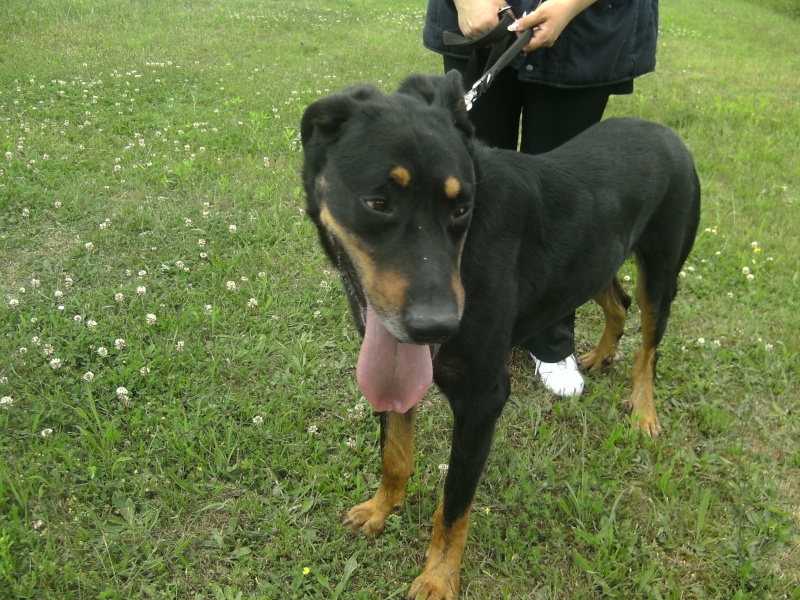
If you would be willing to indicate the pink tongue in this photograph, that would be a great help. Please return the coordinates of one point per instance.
(392, 376)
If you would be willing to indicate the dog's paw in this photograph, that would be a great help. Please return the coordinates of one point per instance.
(644, 421)
(434, 584)
(598, 361)
(369, 517)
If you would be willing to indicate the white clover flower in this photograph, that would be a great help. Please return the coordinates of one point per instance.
(231, 285)
(745, 270)
(701, 341)
(179, 346)
(252, 303)
(6, 402)
(754, 244)
(88, 376)
(258, 420)
(144, 370)
(232, 228)
(22, 350)
(312, 429)
(142, 274)
(78, 318)
(102, 351)
(13, 302)
(57, 204)
(150, 318)
(187, 222)
(55, 363)
(180, 264)
(119, 297)
(48, 349)
(58, 294)
(768, 347)
(351, 443)
(201, 242)
(91, 324)
(207, 309)
(119, 344)
(68, 281)
(443, 468)
(35, 283)
(141, 290)
(750, 277)
(122, 393)
(47, 432)
(89, 246)
(26, 212)
(36, 340)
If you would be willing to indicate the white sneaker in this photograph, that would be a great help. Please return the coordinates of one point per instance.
(561, 378)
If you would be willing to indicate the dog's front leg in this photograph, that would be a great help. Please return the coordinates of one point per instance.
(397, 465)
(473, 431)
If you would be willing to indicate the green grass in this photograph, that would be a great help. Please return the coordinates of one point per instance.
(144, 127)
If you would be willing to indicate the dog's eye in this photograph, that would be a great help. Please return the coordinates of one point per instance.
(460, 211)
(376, 203)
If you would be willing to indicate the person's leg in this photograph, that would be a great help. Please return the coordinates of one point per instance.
(552, 116)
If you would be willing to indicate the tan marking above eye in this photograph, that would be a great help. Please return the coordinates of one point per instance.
(451, 187)
(401, 176)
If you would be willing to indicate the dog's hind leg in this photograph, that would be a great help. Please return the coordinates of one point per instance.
(654, 293)
(615, 302)
(397, 465)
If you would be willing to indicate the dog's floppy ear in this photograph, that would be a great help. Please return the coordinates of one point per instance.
(322, 120)
(443, 91)
(322, 123)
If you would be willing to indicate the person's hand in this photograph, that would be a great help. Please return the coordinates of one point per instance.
(477, 17)
(549, 19)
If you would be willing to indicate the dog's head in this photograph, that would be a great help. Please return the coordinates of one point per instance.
(390, 185)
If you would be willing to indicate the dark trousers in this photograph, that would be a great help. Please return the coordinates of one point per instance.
(535, 118)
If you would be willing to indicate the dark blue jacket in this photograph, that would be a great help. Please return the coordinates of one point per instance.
(610, 42)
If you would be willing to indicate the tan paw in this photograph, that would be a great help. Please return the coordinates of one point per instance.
(435, 584)
(598, 361)
(644, 421)
(369, 517)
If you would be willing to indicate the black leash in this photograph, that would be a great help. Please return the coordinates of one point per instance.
(500, 52)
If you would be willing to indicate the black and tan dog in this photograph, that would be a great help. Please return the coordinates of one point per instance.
(452, 253)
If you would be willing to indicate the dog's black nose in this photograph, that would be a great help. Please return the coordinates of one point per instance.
(431, 327)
